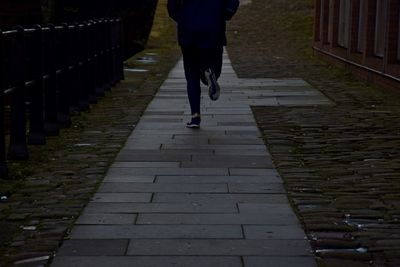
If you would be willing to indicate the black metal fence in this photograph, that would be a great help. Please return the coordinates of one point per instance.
(48, 72)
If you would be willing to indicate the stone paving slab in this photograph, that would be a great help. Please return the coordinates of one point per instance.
(227, 151)
(106, 218)
(215, 147)
(210, 163)
(130, 179)
(217, 179)
(215, 219)
(220, 198)
(238, 159)
(272, 209)
(129, 261)
(251, 171)
(282, 231)
(207, 197)
(256, 188)
(128, 207)
(154, 188)
(169, 171)
(146, 164)
(155, 231)
(278, 261)
(94, 247)
(213, 247)
(122, 197)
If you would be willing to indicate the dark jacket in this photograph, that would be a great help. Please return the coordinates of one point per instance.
(202, 23)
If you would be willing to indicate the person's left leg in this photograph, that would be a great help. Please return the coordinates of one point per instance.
(192, 66)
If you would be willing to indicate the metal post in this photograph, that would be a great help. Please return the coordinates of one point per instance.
(63, 116)
(98, 57)
(120, 36)
(103, 60)
(50, 85)
(36, 134)
(18, 146)
(110, 53)
(82, 67)
(3, 162)
(73, 64)
(113, 35)
(90, 67)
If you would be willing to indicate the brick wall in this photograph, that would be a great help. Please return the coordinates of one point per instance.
(351, 58)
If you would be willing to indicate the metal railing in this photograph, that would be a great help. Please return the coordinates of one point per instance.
(48, 72)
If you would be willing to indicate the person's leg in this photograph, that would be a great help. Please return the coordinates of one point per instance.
(211, 66)
(211, 58)
(216, 55)
(191, 65)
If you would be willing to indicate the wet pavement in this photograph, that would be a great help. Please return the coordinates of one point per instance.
(209, 197)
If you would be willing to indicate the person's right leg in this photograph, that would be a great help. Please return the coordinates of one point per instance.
(211, 66)
(214, 60)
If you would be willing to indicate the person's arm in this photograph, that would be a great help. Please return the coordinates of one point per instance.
(173, 8)
(231, 6)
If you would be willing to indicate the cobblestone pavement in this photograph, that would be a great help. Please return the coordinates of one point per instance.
(340, 163)
(341, 168)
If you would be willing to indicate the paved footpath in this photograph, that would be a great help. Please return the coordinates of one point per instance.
(208, 197)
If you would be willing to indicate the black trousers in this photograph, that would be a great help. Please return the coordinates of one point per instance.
(196, 61)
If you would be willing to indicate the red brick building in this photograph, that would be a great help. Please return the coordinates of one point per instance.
(361, 35)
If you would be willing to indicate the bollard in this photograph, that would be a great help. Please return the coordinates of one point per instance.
(50, 84)
(17, 149)
(82, 69)
(120, 49)
(106, 55)
(73, 62)
(103, 61)
(113, 41)
(116, 58)
(3, 161)
(89, 60)
(97, 58)
(34, 49)
(109, 64)
(61, 51)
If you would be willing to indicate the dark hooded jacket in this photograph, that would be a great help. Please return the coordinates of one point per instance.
(202, 23)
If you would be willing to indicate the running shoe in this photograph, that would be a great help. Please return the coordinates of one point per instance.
(213, 86)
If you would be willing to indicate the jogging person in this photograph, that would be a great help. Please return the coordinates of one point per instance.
(201, 36)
